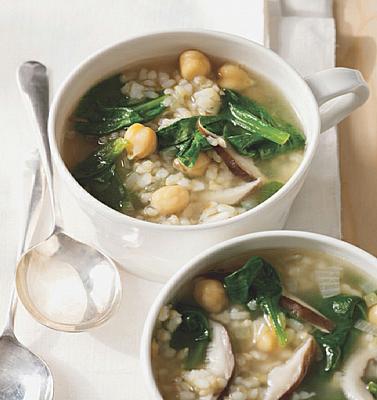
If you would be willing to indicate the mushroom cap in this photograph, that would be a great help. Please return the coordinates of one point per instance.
(219, 358)
(218, 365)
(285, 378)
(246, 163)
(352, 384)
(306, 313)
(229, 196)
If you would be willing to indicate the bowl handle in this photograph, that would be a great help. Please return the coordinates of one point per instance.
(338, 92)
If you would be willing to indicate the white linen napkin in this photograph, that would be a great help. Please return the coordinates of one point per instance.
(303, 33)
(104, 363)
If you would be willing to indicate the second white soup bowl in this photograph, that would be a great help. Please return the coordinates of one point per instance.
(243, 246)
(155, 251)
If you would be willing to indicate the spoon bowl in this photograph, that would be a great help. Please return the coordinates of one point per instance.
(23, 375)
(67, 285)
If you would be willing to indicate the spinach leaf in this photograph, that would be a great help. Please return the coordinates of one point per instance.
(237, 284)
(248, 142)
(266, 150)
(98, 175)
(243, 118)
(177, 133)
(344, 310)
(189, 150)
(150, 109)
(241, 139)
(215, 123)
(266, 290)
(107, 120)
(193, 333)
(258, 280)
(372, 388)
(267, 190)
(104, 120)
(243, 123)
(250, 105)
(109, 189)
(186, 138)
(100, 160)
(105, 94)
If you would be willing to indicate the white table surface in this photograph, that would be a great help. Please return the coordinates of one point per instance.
(102, 364)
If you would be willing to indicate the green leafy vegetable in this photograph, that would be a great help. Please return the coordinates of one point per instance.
(215, 123)
(258, 280)
(240, 138)
(186, 138)
(238, 284)
(189, 151)
(193, 333)
(267, 150)
(177, 133)
(267, 190)
(105, 94)
(248, 142)
(243, 123)
(100, 160)
(250, 105)
(344, 310)
(267, 290)
(99, 176)
(372, 388)
(251, 123)
(102, 120)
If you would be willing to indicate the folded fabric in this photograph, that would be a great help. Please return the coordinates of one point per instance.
(307, 42)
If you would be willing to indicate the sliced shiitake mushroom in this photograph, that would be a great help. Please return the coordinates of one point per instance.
(283, 380)
(241, 166)
(229, 196)
(305, 312)
(353, 385)
(219, 361)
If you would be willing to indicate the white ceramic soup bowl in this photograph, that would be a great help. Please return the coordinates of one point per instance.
(243, 246)
(155, 251)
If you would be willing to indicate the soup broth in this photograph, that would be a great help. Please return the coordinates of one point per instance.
(311, 279)
(174, 171)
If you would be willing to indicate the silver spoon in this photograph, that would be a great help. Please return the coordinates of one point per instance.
(64, 284)
(23, 375)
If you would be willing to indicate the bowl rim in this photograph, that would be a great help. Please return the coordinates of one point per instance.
(162, 297)
(109, 213)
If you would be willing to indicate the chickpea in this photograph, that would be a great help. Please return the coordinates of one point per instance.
(193, 63)
(198, 169)
(210, 294)
(372, 314)
(233, 77)
(170, 199)
(142, 141)
(266, 340)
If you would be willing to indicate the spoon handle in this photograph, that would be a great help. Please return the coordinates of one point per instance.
(33, 83)
(28, 228)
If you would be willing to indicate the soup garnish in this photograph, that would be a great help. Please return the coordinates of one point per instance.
(278, 336)
(188, 144)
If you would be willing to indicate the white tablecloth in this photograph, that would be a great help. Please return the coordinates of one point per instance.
(102, 364)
